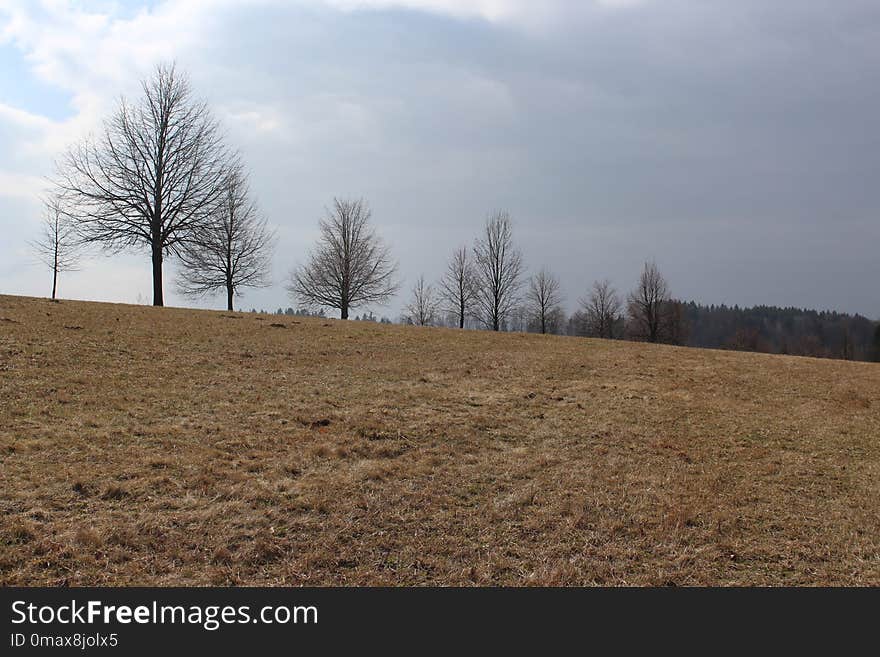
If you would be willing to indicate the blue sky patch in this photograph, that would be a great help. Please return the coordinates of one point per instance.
(24, 90)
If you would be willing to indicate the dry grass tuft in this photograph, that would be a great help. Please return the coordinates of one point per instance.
(114, 493)
(222, 556)
(88, 538)
(165, 446)
(19, 533)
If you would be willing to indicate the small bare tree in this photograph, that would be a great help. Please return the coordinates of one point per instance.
(152, 177)
(458, 287)
(498, 266)
(422, 308)
(648, 304)
(601, 310)
(234, 251)
(350, 266)
(544, 301)
(58, 245)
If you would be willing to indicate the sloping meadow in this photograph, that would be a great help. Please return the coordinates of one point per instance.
(165, 446)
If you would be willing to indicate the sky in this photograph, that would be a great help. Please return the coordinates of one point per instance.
(736, 143)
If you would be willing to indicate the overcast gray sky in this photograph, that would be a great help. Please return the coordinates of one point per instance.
(737, 143)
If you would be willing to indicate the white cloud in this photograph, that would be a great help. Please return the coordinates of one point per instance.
(23, 119)
(253, 117)
(96, 53)
(79, 50)
(488, 9)
(20, 185)
(526, 12)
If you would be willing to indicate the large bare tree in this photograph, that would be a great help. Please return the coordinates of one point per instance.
(422, 307)
(349, 267)
(58, 245)
(498, 266)
(601, 310)
(152, 177)
(234, 251)
(648, 304)
(458, 287)
(543, 301)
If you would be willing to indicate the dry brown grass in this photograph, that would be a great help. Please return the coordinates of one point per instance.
(169, 446)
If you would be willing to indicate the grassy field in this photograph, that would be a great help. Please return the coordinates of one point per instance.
(144, 445)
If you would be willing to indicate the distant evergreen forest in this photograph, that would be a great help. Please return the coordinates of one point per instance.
(795, 331)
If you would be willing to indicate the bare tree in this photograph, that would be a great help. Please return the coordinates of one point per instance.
(422, 308)
(350, 266)
(648, 304)
(458, 287)
(498, 266)
(601, 310)
(152, 177)
(544, 301)
(233, 251)
(58, 245)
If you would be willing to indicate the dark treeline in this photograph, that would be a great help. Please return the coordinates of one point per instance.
(796, 331)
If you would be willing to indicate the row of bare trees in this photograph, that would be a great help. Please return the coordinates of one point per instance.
(351, 266)
(485, 283)
(481, 283)
(159, 177)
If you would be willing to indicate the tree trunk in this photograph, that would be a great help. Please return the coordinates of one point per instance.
(344, 311)
(229, 291)
(157, 277)
(55, 262)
